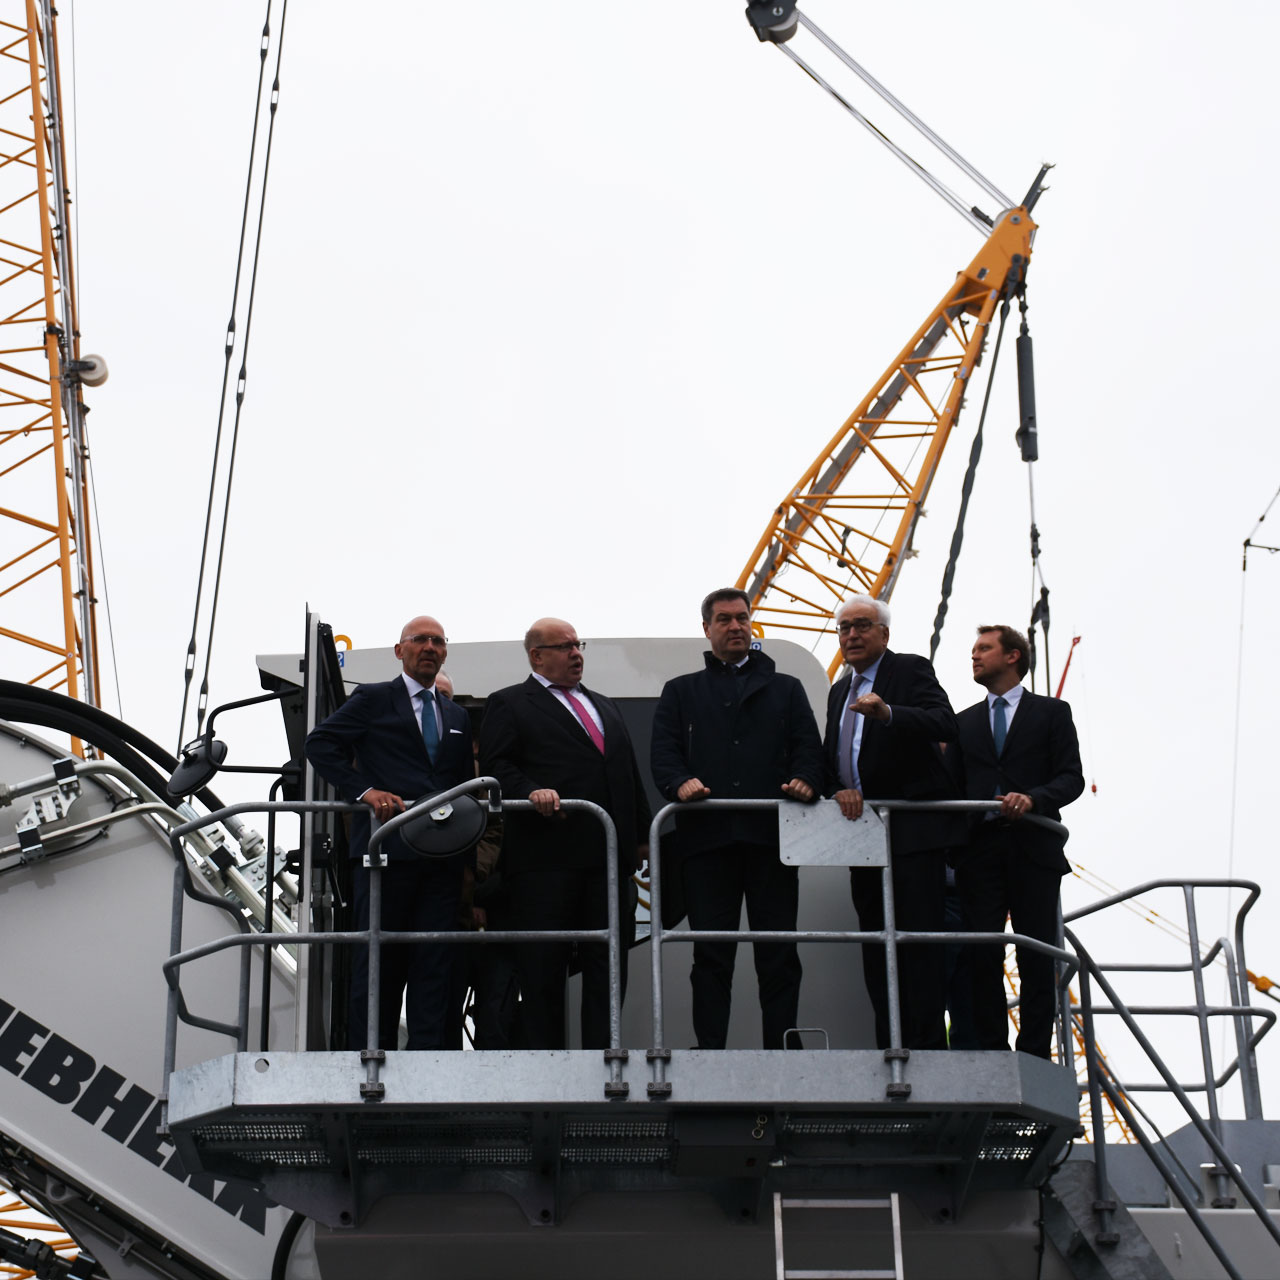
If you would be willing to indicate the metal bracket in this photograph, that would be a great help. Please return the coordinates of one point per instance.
(30, 846)
(373, 1090)
(64, 771)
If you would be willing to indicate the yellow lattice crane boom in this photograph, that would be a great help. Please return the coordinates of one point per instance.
(48, 635)
(847, 523)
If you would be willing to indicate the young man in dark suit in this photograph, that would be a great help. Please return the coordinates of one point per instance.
(387, 745)
(1021, 749)
(885, 719)
(737, 730)
(545, 739)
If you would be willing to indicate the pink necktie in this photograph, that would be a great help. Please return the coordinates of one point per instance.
(581, 712)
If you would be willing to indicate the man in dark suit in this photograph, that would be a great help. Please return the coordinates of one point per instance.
(885, 720)
(1021, 749)
(386, 746)
(545, 739)
(737, 730)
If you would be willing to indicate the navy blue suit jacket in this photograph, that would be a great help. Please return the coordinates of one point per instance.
(1041, 759)
(375, 740)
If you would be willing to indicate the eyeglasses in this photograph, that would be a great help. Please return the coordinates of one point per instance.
(423, 638)
(567, 647)
(860, 625)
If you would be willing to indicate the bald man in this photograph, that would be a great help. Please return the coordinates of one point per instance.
(545, 740)
(390, 744)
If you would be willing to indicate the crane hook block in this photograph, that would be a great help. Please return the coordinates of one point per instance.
(774, 21)
(1028, 440)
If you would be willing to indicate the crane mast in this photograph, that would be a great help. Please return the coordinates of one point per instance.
(49, 636)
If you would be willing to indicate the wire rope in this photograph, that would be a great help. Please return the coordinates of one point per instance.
(1249, 545)
(920, 171)
(229, 349)
(242, 377)
(906, 113)
(966, 490)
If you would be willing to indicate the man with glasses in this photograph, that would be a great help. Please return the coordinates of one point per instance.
(885, 721)
(390, 744)
(545, 740)
(737, 730)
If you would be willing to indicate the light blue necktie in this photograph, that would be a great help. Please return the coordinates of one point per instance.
(430, 733)
(1000, 728)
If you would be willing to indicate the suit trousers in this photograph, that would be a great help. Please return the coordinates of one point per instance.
(422, 895)
(715, 883)
(566, 898)
(919, 885)
(997, 881)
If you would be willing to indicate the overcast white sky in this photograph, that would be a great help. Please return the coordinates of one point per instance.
(554, 305)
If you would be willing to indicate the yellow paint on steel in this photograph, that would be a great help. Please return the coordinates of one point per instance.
(883, 459)
(39, 472)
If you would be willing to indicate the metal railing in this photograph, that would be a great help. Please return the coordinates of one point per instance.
(375, 937)
(890, 936)
(1067, 961)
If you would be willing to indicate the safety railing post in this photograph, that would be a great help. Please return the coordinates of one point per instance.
(1066, 1045)
(1223, 1199)
(895, 1054)
(1104, 1203)
(1253, 1094)
(175, 988)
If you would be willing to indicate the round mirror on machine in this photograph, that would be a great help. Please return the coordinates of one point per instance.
(443, 830)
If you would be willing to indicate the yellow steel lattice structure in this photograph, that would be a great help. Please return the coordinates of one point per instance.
(47, 628)
(847, 524)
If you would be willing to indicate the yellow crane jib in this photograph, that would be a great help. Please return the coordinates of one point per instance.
(847, 523)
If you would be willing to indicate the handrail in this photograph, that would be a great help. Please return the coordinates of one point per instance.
(889, 936)
(374, 935)
(1240, 1011)
(1091, 971)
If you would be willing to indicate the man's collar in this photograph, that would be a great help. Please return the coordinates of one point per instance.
(870, 673)
(414, 687)
(754, 658)
(547, 684)
(1011, 696)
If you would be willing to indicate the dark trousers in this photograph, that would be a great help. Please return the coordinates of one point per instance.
(715, 883)
(997, 881)
(488, 972)
(421, 895)
(958, 966)
(919, 882)
(566, 898)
